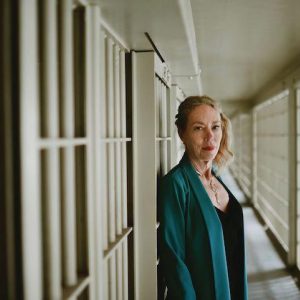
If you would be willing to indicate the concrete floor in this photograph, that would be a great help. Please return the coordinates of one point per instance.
(268, 277)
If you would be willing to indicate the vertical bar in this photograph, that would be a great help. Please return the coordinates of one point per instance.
(52, 260)
(164, 129)
(119, 273)
(173, 132)
(68, 166)
(112, 278)
(292, 175)
(103, 134)
(111, 148)
(92, 20)
(105, 280)
(123, 134)
(157, 106)
(116, 55)
(163, 112)
(50, 72)
(298, 176)
(157, 125)
(51, 128)
(30, 177)
(124, 295)
(144, 172)
(125, 269)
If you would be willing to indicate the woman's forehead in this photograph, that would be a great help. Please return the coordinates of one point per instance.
(204, 113)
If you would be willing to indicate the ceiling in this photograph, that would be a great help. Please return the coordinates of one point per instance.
(238, 45)
(242, 45)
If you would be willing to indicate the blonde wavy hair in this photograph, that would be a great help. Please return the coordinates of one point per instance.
(225, 154)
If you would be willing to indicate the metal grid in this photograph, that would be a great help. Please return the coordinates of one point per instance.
(272, 165)
(74, 154)
(242, 167)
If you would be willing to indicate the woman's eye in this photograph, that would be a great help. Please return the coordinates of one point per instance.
(198, 128)
(216, 127)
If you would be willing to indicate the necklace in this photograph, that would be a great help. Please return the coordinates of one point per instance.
(212, 187)
(214, 190)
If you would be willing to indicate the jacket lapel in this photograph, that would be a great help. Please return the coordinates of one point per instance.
(214, 229)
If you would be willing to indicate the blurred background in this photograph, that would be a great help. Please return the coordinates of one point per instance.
(89, 92)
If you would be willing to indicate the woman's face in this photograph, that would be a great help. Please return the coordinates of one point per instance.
(203, 133)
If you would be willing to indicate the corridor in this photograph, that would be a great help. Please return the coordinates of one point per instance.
(89, 95)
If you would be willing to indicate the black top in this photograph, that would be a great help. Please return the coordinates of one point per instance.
(232, 224)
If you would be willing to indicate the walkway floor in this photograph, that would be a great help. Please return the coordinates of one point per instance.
(268, 278)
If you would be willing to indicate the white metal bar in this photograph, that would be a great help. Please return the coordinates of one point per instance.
(74, 291)
(123, 135)
(52, 224)
(47, 143)
(116, 79)
(29, 130)
(124, 185)
(292, 176)
(164, 148)
(117, 243)
(97, 101)
(123, 94)
(117, 112)
(163, 139)
(68, 162)
(115, 140)
(69, 217)
(119, 258)
(298, 173)
(50, 76)
(164, 130)
(111, 193)
(112, 278)
(92, 96)
(158, 106)
(111, 132)
(105, 280)
(104, 195)
(125, 269)
(103, 140)
(144, 170)
(66, 68)
(163, 108)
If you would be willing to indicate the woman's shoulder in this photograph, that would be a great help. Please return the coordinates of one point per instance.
(175, 177)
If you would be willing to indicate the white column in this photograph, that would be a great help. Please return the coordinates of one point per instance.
(68, 166)
(52, 224)
(117, 134)
(144, 181)
(292, 161)
(124, 174)
(29, 131)
(123, 134)
(111, 148)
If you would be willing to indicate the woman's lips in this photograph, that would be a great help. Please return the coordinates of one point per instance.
(208, 148)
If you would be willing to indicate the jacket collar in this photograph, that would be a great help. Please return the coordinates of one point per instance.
(214, 229)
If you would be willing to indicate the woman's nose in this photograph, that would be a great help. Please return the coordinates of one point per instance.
(209, 134)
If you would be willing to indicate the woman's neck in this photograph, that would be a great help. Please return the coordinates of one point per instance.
(203, 168)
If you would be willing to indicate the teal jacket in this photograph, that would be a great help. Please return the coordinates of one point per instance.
(192, 251)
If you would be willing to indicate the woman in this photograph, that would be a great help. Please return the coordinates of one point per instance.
(201, 223)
